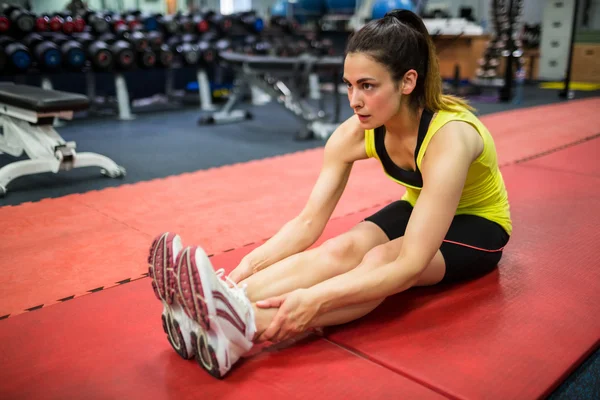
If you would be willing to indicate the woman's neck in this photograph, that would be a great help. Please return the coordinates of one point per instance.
(405, 123)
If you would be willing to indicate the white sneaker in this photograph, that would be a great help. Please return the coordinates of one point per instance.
(224, 315)
(176, 324)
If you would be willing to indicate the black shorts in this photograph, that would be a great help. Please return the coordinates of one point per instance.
(472, 247)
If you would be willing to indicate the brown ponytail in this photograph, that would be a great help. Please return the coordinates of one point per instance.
(400, 41)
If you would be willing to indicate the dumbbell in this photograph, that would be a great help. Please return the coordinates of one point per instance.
(137, 39)
(53, 23)
(69, 23)
(249, 21)
(146, 59)
(155, 39)
(201, 24)
(168, 24)
(150, 22)
(145, 55)
(164, 56)
(122, 50)
(18, 56)
(222, 23)
(133, 23)
(20, 19)
(45, 52)
(4, 24)
(73, 54)
(284, 24)
(186, 49)
(97, 22)
(186, 24)
(207, 52)
(98, 52)
(323, 47)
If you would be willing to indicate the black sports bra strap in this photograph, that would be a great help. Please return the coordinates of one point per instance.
(426, 118)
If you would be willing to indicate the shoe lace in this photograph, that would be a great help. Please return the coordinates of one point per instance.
(238, 292)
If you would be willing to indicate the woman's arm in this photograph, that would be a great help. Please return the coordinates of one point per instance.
(444, 169)
(345, 146)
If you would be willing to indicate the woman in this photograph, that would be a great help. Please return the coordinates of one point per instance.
(451, 224)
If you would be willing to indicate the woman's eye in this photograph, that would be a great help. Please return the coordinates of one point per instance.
(367, 86)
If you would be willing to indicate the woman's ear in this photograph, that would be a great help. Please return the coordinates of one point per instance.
(409, 81)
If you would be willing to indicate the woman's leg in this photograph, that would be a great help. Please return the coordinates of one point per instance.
(379, 255)
(303, 270)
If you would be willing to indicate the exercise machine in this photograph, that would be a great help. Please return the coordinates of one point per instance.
(286, 80)
(27, 115)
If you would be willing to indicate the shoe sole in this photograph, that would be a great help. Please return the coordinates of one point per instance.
(161, 271)
(198, 305)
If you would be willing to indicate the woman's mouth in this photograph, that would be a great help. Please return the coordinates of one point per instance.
(363, 118)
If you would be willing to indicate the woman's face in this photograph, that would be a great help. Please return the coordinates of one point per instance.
(373, 94)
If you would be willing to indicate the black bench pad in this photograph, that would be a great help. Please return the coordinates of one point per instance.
(265, 62)
(41, 100)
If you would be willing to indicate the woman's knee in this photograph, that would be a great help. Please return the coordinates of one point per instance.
(382, 254)
(340, 249)
(347, 250)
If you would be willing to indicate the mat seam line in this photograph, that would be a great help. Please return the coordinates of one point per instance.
(364, 356)
(113, 218)
(533, 166)
(557, 149)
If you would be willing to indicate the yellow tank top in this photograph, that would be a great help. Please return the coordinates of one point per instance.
(484, 193)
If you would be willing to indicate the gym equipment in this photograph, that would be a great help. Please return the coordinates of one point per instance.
(164, 56)
(67, 23)
(26, 116)
(146, 58)
(244, 23)
(73, 54)
(168, 24)
(45, 52)
(566, 92)
(21, 20)
(505, 44)
(55, 23)
(97, 22)
(124, 54)
(4, 24)
(283, 78)
(17, 54)
(220, 23)
(98, 52)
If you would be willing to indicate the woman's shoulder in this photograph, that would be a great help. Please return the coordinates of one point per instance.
(348, 140)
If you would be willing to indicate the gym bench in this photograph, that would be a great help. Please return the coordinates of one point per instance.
(284, 79)
(27, 115)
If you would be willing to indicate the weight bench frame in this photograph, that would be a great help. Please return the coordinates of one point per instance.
(270, 74)
(28, 131)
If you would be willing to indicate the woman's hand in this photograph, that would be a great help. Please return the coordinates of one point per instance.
(243, 271)
(296, 312)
